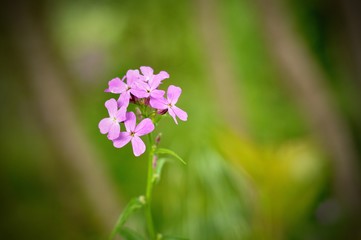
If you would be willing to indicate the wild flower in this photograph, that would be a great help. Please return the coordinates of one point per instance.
(133, 133)
(168, 103)
(141, 88)
(111, 125)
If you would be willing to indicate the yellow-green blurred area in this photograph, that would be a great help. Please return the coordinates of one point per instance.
(272, 142)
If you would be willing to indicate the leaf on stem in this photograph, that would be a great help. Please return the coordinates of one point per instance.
(158, 170)
(132, 206)
(170, 152)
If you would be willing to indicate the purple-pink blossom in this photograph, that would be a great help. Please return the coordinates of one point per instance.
(141, 88)
(168, 103)
(133, 133)
(111, 125)
(124, 89)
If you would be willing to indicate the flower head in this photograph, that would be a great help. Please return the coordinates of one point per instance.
(140, 88)
(111, 125)
(133, 133)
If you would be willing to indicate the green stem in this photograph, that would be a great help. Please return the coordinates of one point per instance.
(148, 211)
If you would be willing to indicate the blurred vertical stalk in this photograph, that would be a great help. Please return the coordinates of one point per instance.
(304, 78)
(220, 71)
(65, 132)
(351, 10)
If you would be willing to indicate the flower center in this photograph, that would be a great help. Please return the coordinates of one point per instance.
(132, 134)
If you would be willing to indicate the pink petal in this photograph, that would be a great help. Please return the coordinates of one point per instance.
(161, 76)
(138, 146)
(130, 122)
(121, 114)
(105, 124)
(141, 85)
(173, 94)
(112, 107)
(140, 89)
(157, 94)
(146, 71)
(172, 113)
(158, 103)
(132, 76)
(123, 100)
(182, 115)
(154, 83)
(114, 131)
(122, 139)
(140, 93)
(144, 127)
(116, 86)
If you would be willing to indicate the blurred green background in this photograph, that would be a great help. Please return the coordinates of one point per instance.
(272, 90)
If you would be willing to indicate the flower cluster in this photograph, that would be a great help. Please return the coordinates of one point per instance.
(140, 89)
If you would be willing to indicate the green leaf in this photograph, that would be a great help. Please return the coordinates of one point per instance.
(158, 170)
(129, 234)
(132, 206)
(170, 152)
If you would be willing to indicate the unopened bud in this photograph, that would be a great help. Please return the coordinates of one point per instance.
(146, 101)
(162, 111)
(154, 163)
(133, 99)
(158, 138)
(138, 113)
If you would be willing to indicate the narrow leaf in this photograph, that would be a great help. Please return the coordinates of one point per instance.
(170, 152)
(131, 207)
(158, 170)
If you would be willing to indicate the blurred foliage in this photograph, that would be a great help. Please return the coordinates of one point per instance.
(274, 183)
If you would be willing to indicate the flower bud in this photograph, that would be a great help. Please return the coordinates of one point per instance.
(133, 99)
(138, 113)
(162, 111)
(158, 138)
(146, 101)
(154, 163)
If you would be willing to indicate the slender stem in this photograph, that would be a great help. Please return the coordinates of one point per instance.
(148, 212)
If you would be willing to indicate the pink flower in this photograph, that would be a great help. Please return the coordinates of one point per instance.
(173, 94)
(124, 89)
(111, 125)
(133, 133)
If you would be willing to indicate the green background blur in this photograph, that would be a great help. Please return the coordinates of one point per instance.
(272, 142)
